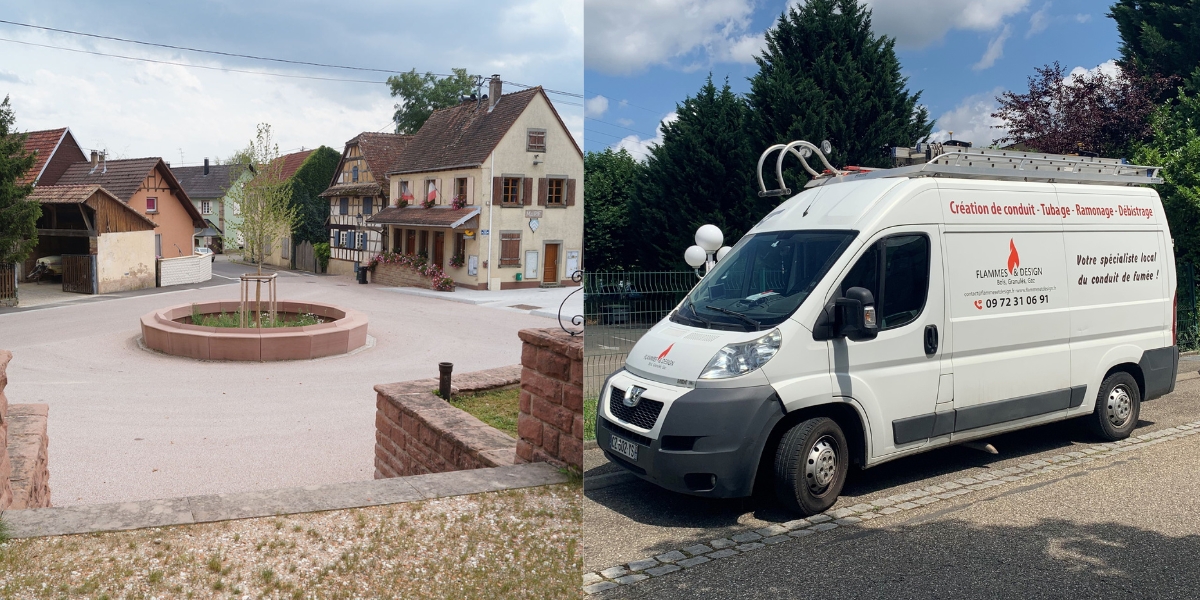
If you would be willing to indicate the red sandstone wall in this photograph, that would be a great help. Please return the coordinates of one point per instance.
(417, 432)
(398, 276)
(24, 451)
(551, 421)
(5, 465)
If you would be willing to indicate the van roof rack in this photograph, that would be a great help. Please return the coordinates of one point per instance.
(967, 163)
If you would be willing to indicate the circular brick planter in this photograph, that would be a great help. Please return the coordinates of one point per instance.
(346, 330)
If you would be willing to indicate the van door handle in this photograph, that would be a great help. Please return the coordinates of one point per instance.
(931, 340)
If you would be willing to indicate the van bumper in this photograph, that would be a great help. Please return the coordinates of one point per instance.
(706, 433)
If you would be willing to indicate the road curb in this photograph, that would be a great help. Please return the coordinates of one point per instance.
(122, 516)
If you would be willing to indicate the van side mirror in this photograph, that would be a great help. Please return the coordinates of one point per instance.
(855, 317)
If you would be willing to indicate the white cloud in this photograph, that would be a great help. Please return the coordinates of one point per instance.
(623, 122)
(1038, 21)
(918, 23)
(625, 37)
(1083, 18)
(595, 106)
(995, 50)
(744, 49)
(971, 120)
(1108, 67)
(145, 109)
(640, 148)
(623, 103)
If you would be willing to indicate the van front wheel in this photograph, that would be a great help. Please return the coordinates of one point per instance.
(810, 466)
(1117, 407)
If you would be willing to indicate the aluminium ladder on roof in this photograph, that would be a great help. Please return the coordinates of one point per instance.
(978, 163)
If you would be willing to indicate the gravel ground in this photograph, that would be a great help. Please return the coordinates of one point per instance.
(512, 544)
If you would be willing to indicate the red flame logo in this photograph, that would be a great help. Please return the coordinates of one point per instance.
(664, 352)
(1014, 260)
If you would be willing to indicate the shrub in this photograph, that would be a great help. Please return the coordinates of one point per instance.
(321, 249)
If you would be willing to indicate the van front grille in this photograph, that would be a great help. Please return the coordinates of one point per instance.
(644, 415)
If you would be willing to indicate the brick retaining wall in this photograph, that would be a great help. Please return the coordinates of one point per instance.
(417, 432)
(24, 451)
(550, 424)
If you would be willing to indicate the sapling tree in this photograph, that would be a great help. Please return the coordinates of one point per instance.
(264, 203)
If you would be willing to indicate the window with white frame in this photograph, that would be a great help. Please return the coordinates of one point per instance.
(206, 207)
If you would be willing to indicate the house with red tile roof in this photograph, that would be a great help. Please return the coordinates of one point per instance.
(148, 186)
(496, 193)
(54, 150)
(359, 190)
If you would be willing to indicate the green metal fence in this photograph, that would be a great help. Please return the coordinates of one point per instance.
(618, 307)
(1187, 325)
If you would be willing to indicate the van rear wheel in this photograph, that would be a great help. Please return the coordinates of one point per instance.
(810, 466)
(1117, 407)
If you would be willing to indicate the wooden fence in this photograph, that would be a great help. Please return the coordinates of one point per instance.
(79, 273)
(8, 285)
(303, 258)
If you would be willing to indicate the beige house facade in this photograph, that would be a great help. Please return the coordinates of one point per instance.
(504, 179)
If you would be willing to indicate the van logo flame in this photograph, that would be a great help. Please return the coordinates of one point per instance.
(1014, 260)
(664, 352)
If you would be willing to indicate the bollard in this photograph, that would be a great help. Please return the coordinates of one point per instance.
(444, 370)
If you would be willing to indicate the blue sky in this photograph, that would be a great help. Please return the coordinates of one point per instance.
(644, 56)
(185, 113)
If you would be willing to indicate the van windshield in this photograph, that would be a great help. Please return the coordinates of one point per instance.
(763, 279)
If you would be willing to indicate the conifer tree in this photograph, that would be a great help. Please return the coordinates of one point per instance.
(18, 214)
(609, 182)
(702, 172)
(825, 76)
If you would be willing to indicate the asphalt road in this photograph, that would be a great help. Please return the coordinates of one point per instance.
(128, 424)
(1125, 528)
(635, 520)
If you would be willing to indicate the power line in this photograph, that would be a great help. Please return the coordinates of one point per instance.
(248, 56)
(619, 126)
(179, 64)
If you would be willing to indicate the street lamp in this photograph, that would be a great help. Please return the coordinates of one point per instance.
(708, 249)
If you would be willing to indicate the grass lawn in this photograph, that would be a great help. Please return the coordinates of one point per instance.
(498, 408)
(512, 544)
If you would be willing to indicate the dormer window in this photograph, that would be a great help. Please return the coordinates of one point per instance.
(536, 140)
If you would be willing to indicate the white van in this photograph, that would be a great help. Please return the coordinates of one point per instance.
(881, 314)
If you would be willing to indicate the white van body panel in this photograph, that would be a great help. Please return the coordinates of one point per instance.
(1036, 292)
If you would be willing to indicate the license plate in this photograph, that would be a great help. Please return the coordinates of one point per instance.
(623, 447)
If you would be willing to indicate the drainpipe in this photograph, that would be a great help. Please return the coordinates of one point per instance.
(491, 211)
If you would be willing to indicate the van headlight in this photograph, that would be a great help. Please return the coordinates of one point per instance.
(739, 359)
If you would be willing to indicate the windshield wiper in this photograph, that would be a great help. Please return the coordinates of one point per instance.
(757, 326)
(706, 322)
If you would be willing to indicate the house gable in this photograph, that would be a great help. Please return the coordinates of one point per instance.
(54, 151)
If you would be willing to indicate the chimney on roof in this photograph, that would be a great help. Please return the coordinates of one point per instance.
(206, 166)
(95, 161)
(493, 92)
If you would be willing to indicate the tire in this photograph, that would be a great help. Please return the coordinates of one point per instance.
(1118, 405)
(810, 466)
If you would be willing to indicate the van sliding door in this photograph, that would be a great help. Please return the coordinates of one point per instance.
(1008, 305)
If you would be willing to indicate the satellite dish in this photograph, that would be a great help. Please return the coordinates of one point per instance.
(826, 147)
(695, 256)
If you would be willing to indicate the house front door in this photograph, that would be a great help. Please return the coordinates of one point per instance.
(550, 266)
(439, 248)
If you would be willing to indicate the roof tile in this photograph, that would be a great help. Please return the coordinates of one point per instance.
(42, 144)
